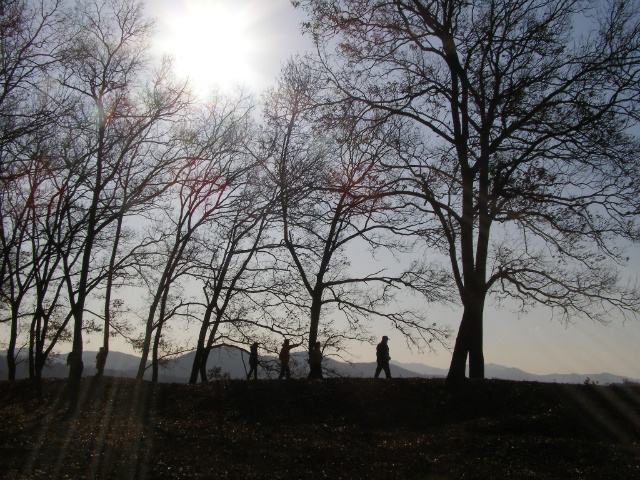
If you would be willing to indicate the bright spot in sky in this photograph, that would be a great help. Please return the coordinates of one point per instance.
(211, 42)
(226, 43)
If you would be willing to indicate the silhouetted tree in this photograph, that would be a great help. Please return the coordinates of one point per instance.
(45, 223)
(515, 123)
(117, 125)
(331, 196)
(144, 175)
(29, 43)
(212, 170)
(29, 106)
(235, 243)
(17, 272)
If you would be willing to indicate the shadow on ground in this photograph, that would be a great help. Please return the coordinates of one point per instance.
(333, 429)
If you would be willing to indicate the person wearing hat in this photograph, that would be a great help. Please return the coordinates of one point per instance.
(284, 359)
(382, 357)
(253, 361)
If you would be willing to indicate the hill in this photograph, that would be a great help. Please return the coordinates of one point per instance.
(330, 429)
(233, 363)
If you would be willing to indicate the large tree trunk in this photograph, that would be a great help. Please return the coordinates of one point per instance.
(316, 307)
(11, 362)
(197, 360)
(40, 360)
(476, 352)
(144, 354)
(469, 344)
(457, 369)
(203, 365)
(75, 372)
(76, 366)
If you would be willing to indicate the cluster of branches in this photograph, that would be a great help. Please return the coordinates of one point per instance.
(515, 123)
(130, 208)
(499, 137)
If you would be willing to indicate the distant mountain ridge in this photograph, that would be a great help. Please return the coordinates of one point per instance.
(234, 364)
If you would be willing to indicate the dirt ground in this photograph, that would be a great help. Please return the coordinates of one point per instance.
(412, 429)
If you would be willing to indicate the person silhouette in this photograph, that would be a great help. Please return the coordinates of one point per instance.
(75, 364)
(101, 359)
(284, 359)
(382, 358)
(253, 361)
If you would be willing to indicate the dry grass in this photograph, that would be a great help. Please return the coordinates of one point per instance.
(334, 429)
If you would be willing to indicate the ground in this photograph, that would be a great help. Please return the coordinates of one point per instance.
(412, 429)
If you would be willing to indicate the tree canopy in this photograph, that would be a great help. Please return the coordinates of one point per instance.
(514, 124)
(489, 147)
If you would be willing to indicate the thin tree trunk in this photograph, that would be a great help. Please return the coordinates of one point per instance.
(199, 356)
(75, 372)
(158, 300)
(205, 353)
(107, 301)
(146, 344)
(11, 348)
(154, 354)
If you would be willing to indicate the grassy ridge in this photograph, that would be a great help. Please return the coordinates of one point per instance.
(339, 428)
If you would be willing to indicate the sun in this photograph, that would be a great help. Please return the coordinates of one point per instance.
(213, 43)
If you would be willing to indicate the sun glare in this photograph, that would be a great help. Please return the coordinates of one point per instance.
(213, 43)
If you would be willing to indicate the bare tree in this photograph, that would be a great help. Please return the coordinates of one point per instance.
(29, 106)
(144, 173)
(29, 42)
(520, 146)
(331, 196)
(18, 274)
(212, 171)
(232, 245)
(117, 127)
(36, 208)
(45, 224)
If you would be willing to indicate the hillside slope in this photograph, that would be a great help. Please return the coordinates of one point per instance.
(333, 429)
(234, 364)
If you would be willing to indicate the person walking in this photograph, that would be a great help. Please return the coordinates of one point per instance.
(315, 361)
(284, 359)
(382, 357)
(253, 361)
(101, 359)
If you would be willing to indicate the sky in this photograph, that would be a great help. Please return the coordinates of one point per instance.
(226, 43)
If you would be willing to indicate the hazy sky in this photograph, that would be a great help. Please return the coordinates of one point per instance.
(227, 42)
